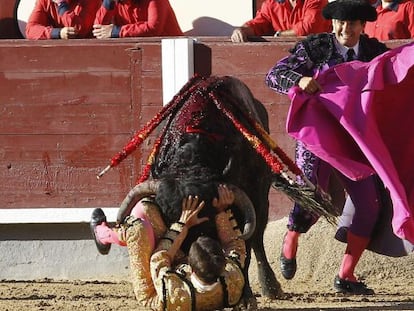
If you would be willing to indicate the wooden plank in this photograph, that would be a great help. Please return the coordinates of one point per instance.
(65, 103)
(151, 58)
(61, 55)
(65, 88)
(61, 170)
(246, 58)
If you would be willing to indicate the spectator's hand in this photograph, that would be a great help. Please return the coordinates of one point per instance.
(225, 198)
(309, 85)
(190, 210)
(68, 33)
(242, 33)
(102, 31)
(238, 35)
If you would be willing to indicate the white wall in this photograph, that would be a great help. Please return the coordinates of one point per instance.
(211, 17)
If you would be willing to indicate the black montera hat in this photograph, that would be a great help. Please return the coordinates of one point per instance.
(350, 10)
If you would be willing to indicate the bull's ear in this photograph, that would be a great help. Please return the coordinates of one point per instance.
(140, 191)
(246, 208)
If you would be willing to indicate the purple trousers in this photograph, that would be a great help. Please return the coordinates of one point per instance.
(365, 195)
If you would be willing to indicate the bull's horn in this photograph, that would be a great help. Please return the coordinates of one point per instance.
(228, 167)
(245, 206)
(140, 191)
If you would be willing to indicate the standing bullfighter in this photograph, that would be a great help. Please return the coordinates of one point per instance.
(310, 57)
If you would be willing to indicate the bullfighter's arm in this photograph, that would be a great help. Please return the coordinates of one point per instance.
(227, 228)
(162, 260)
(175, 236)
(234, 247)
(289, 70)
(228, 233)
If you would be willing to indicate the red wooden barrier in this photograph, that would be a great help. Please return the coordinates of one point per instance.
(68, 106)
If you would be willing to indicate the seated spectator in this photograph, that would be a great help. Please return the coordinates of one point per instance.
(285, 18)
(62, 19)
(210, 279)
(135, 18)
(395, 20)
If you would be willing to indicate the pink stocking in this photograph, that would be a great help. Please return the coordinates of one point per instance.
(290, 244)
(354, 249)
(107, 235)
(138, 212)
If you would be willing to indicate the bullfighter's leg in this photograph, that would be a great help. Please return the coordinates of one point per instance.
(105, 235)
(365, 195)
(300, 219)
(101, 232)
(139, 238)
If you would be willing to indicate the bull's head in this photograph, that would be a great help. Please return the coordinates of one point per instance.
(150, 188)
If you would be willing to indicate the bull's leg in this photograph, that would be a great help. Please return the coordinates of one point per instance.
(249, 300)
(270, 286)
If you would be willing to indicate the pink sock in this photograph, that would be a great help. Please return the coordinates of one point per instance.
(354, 249)
(290, 244)
(107, 235)
(138, 212)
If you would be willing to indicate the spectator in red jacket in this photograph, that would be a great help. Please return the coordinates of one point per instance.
(62, 19)
(135, 18)
(285, 18)
(395, 20)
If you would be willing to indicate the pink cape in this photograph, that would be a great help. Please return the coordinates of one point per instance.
(363, 122)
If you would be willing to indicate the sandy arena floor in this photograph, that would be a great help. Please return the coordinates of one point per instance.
(319, 257)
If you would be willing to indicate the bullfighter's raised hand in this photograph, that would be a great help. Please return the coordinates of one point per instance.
(190, 210)
(225, 198)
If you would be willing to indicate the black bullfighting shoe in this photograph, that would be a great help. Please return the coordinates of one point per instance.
(287, 266)
(353, 288)
(97, 218)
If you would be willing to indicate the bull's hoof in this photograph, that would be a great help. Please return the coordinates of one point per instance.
(271, 287)
(274, 291)
(246, 304)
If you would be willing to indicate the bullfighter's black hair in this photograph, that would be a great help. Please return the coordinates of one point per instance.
(206, 258)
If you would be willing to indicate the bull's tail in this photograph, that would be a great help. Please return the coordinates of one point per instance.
(313, 199)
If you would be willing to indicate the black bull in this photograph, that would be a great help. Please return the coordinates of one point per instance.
(232, 155)
(204, 130)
